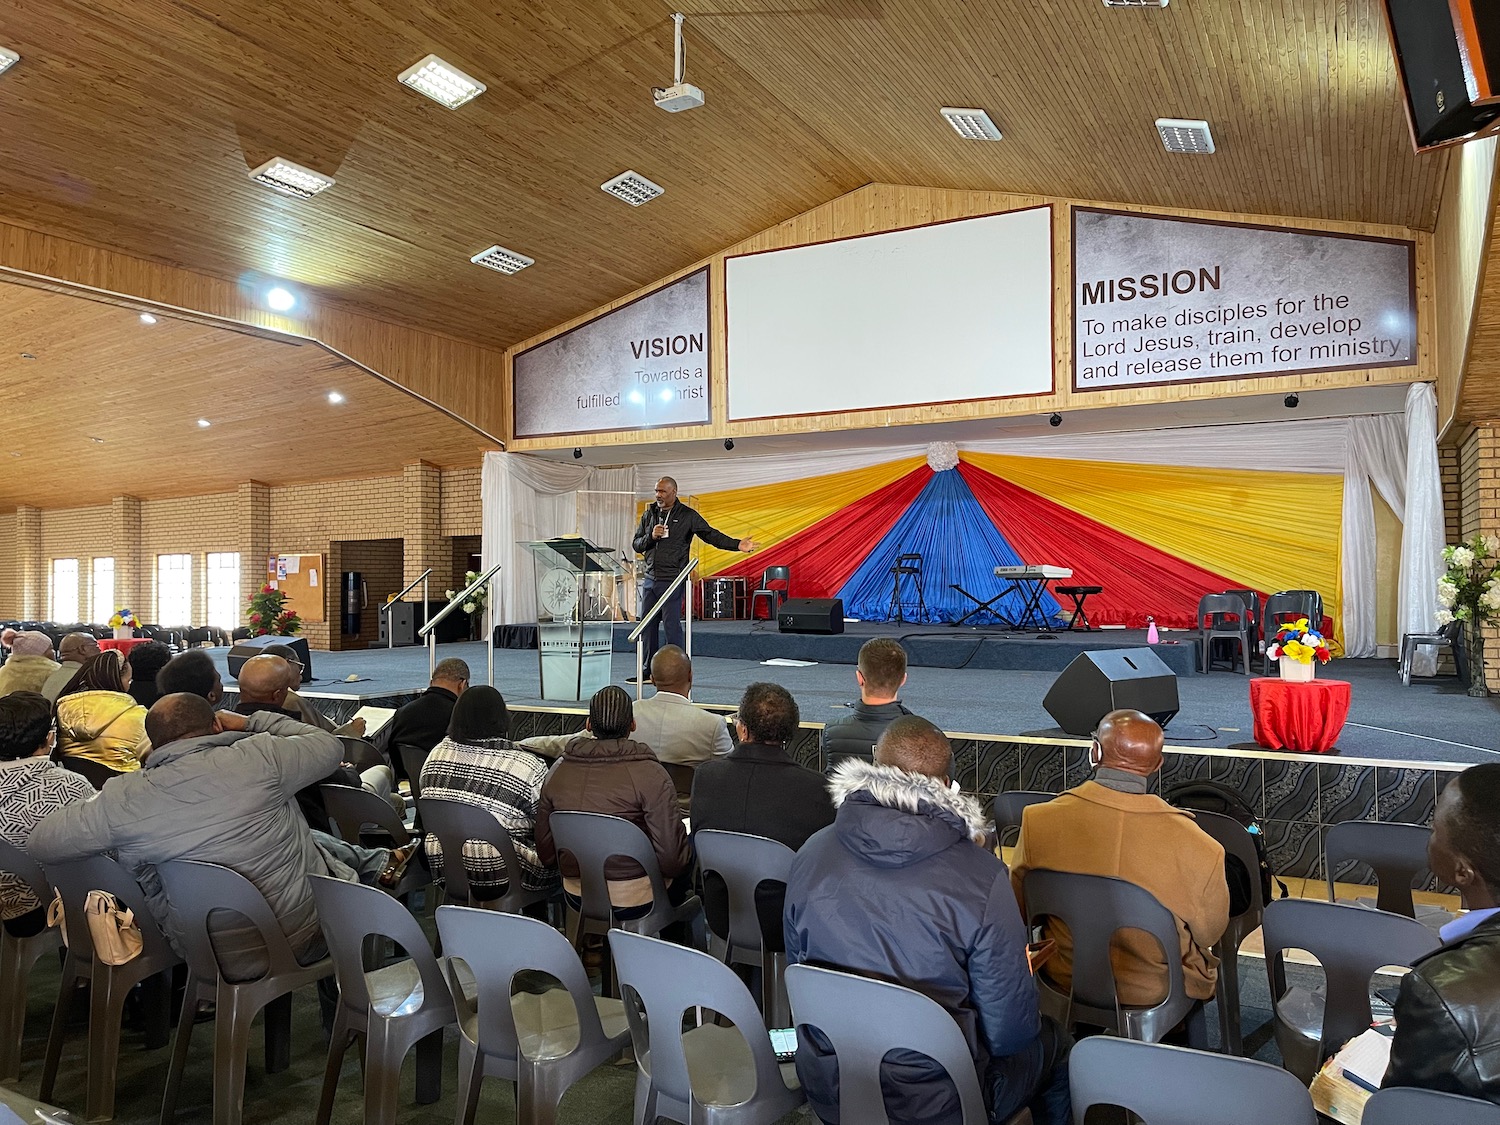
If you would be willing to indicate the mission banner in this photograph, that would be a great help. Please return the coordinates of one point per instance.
(1158, 300)
(642, 365)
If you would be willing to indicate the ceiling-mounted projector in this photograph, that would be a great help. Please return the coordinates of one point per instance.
(679, 95)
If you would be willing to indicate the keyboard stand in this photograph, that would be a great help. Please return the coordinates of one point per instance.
(982, 606)
(1032, 620)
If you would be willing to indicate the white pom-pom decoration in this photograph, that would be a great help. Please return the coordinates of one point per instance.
(942, 456)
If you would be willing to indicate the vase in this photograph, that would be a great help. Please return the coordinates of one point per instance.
(1474, 641)
(123, 632)
(1295, 671)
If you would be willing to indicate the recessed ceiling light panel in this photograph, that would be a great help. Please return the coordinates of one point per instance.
(147, 318)
(204, 423)
(335, 398)
(291, 179)
(971, 124)
(280, 299)
(443, 82)
(501, 260)
(632, 187)
(8, 59)
(1185, 135)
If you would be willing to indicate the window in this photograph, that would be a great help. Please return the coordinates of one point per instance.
(174, 590)
(63, 605)
(102, 592)
(224, 589)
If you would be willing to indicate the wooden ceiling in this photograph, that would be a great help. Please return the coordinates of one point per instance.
(99, 372)
(131, 124)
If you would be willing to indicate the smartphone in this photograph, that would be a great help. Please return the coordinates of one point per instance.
(784, 1043)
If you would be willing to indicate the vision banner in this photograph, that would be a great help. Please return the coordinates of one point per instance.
(637, 367)
(1159, 300)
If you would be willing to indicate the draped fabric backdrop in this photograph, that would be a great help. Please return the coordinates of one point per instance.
(1157, 518)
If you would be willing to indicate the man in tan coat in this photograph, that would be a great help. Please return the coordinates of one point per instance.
(1113, 826)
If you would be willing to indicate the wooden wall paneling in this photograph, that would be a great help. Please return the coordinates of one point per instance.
(1460, 245)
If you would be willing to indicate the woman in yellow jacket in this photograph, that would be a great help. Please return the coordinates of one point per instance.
(97, 719)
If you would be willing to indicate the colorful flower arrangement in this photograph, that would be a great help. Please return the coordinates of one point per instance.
(1470, 590)
(124, 619)
(1297, 641)
(268, 614)
(474, 604)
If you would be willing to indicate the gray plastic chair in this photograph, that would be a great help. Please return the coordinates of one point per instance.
(1220, 609)
(1450, 636)
(1397, 853)
(1351, 943)
(1008, 807)
(1235, 840)
(699, 1076)
(109, 984)
(361, 753)
(18, 956)
(1288, 605)
(744, 862)
(1177, 1086)
(196, 890)
(354, 810)
(455, 823)
(1408, 1105)
(593, 839)
(391, 1009)
(541, 1042)
(1094, 908)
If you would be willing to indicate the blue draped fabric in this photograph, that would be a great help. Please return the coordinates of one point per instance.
(946, 525)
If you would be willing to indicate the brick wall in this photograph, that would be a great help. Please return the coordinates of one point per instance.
(1478, 473)
(379, 562)
(10, 591)
(1448, 471)
(460, 506)
(194, 525)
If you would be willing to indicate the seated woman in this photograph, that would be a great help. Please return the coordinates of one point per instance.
(97, 720)
(477, 764)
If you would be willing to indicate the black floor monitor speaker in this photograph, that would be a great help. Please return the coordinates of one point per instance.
(811, 615)
(1448, 57)
(1097, 683)
(256, 646)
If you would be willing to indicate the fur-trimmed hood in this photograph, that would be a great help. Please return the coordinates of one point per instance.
(857, 781)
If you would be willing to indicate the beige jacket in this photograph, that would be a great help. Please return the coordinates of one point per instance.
(1094, 830)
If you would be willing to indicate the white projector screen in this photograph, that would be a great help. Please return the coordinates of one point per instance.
(942, 313)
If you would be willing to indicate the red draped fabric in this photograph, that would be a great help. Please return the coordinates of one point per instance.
(823, 556)
(1299, 716)
(1139, 580)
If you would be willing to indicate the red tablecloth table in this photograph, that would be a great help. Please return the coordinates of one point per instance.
(123, 644)
(1299, 716)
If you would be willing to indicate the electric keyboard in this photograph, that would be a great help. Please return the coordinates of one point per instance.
(1033, 573)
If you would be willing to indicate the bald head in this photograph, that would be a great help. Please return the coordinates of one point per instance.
(671, 670)
(78, 647)
(264, 679)
(913, 744)
(175, 717)
(1129, 741)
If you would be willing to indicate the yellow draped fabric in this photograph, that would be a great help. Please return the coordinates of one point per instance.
(1271, 531)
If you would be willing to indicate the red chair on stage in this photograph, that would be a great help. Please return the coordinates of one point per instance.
(776, 586)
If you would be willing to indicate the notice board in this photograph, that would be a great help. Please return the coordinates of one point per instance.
(302, 579)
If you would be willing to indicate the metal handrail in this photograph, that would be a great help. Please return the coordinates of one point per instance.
(396, 598)
(458, 600)
(651, 614)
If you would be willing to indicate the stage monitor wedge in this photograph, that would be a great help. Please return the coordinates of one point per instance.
(1448, 59)
(256, 646)
(1106, 680)
(811, 615)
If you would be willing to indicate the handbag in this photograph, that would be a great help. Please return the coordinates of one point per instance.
(117, 939)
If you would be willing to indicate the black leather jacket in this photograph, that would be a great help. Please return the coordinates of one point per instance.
(1448, 1018)
(855, 735)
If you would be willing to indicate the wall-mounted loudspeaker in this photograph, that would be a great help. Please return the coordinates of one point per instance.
(1097, 683)
(1448, 58)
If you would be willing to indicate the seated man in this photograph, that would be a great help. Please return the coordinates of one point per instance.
(1113, 826)
(74, 650)
(423, 722)
(30, 664)
(31, 786)
(193, 672)
(219, 787)
(901, 888)
(354, 728)
(1447, 1034)
(881, 674)
(145, 662)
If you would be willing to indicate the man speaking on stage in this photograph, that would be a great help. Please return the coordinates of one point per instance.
(665, 537)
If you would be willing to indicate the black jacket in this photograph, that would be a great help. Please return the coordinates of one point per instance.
(666, 557)
(1448, 1018)
(758, 789)
(422, 722)
(855, 735)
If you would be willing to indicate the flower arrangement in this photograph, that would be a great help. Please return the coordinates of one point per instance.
(1297, 641)
(124, 619)
(267, 614)
(1470, 590)
(474, 604)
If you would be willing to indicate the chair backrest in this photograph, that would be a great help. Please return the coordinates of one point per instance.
(1290, 605)
(865, 1020)
(1251, 598)
(456, 822)
(350, 809)
(351, 912)
(496, 947)
(1397, 853)
(196, 890)
(911, 562)
(1409, 1105)
(412, 760)
(15, 861)
(1094, 907)
(1314, 603)
(1177, 1086)
(682, 776)
(1008, 807)
(75, 880)
(743, 862)
(1351, 943)
(776, 574)
(671, 979)
(1235, 839)
(593, 839)
(1214, 605)
(361, 753)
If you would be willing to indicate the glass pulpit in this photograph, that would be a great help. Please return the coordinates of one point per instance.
(575, 581)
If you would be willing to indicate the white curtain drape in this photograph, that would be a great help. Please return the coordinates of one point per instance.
(1375, 449)
(523, 498)
(1422, 530)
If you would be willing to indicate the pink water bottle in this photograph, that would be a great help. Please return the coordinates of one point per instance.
(1152, 636)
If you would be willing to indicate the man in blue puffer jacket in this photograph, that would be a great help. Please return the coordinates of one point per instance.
(901, 888)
